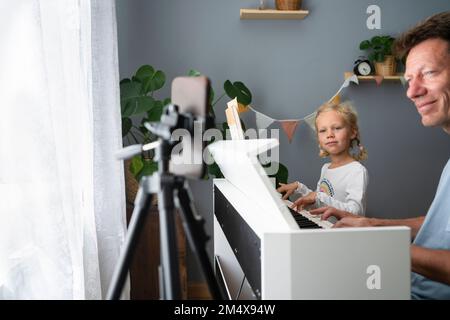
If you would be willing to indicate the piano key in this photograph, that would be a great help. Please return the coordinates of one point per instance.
(306, 220)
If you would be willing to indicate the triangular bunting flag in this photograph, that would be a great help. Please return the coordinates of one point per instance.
(345, 84)
(311, 121)
(263, 121)
(336, 99)
(378, 79)
(289, 128)
(241, 108)
(354, 79)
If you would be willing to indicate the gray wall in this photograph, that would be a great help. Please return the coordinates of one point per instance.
(292, 67)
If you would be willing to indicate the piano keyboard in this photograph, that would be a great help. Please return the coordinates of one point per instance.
(305, 220)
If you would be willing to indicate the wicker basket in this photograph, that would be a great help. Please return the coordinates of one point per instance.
(387, 67)
(132, 185)
(288, 4)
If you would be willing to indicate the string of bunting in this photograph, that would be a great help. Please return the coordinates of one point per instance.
(290, 125)
(379, 79)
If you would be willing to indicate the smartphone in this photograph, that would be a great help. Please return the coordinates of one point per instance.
(190, 94)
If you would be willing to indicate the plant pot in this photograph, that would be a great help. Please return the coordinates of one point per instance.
(288, 4)
(387, 67)
(132, 186)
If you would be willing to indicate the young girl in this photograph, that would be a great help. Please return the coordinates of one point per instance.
(343, 181)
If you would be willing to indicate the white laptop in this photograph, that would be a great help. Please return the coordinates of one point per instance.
(296, 263)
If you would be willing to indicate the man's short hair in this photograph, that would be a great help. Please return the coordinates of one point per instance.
(436, 26)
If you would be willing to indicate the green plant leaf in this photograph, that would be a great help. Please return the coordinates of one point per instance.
(144, 72)
(245, 96)
(376, 41)
(142, 128)
(194, 73)
(154, 114)
(283, 174)
(389, 46)
(364, 45)
(214, 170)
(166, 102)
(372, 57)
(129, 108)
(230, 90)
(126, 126)
(149, 167)
(125, 80)
(133, 78)
(129, 89)
(136, 165)
(155, 82)
(159, 78)
(225, 127)
(138, 105)
(379, 57)
(144, 104)
(238, 90)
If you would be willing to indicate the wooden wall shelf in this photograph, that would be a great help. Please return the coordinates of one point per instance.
(397, 77)
(265, 14)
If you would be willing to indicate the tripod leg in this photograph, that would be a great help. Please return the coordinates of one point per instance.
(169, 254)
(193, 226)
(140, 211)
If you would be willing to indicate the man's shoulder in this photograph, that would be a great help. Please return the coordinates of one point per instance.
(446, 169)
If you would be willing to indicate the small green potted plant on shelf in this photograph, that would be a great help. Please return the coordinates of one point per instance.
(380, 54)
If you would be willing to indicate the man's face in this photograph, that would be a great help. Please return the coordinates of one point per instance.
(428, 76)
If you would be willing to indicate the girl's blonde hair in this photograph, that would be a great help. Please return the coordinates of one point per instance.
(348, 113)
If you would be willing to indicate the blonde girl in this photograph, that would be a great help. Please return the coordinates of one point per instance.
(343, 181)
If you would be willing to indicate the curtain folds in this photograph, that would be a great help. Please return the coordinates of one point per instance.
(62, 208)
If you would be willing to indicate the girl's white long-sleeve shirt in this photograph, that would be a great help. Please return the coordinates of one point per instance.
(343, 188)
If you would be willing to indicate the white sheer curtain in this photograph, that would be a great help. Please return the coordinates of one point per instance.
(62, 207)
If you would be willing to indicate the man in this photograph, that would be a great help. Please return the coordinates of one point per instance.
(427, 48)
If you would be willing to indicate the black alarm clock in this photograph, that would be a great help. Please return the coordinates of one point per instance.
(362, 67)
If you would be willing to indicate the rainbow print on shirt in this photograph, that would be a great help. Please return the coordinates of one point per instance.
(326, 187)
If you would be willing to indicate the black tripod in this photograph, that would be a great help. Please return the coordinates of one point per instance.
(168, 187)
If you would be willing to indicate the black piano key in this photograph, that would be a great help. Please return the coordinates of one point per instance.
(303, 222)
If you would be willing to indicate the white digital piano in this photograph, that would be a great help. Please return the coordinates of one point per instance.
(264, 251)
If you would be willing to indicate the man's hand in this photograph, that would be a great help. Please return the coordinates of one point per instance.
(310, 198)
(345, 219)
(288, 188)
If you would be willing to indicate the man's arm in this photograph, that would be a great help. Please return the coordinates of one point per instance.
(432, 264)
(413, 223)
(347, 219)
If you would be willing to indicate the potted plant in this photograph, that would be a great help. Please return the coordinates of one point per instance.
(380, 54)
(138, 100)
